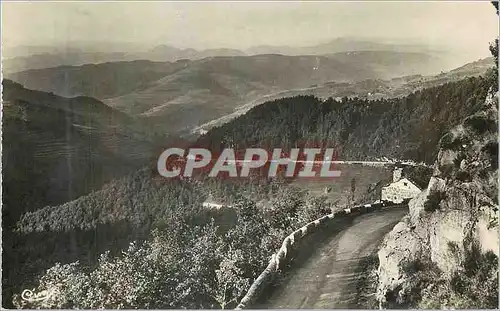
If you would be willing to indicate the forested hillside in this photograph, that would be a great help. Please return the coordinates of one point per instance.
(72, 146)
(96, 80)
(165, 220)
(402, 128)
(194, 252)
(56, 149)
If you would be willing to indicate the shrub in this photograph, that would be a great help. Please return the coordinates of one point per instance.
(452, 142)
(422, 273)
(473, 286)
(480, 124)
(446, 141)
(463, 176)
(433, 201)
(491, 148)
(419, 174)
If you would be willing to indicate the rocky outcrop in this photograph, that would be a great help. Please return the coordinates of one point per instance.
(459, 209)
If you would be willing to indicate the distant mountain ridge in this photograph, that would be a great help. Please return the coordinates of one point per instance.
(76, 57)
(166, 53)
(186, 93)
(25, 58)
(339, 45)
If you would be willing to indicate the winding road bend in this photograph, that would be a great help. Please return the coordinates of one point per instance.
(327, 278)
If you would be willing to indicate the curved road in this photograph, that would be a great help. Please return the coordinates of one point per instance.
(328, 277)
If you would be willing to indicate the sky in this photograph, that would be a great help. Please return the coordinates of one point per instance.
(463, 26)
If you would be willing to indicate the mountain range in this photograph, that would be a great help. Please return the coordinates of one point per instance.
(184, 94)
(188, 94)
(69, 146)
(58, 152)
(74, 53)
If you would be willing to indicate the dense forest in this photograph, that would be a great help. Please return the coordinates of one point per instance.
(88, 222)
(145, 242)
(400, 128)
(57, 149)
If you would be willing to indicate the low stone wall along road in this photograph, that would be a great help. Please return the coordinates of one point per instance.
(327, 275)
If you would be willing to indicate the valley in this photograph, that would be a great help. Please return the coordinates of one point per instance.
(22, 58)
(130, 134)
(93, 94)
(93, 213)
(189, 97)
(371, 89)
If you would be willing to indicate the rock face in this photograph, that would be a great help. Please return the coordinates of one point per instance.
(457, 211)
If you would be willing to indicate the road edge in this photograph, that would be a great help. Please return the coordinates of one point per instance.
(282, 258)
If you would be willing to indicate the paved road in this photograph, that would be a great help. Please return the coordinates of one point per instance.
(327, 278)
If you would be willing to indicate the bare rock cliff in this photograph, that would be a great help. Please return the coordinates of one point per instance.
(444, 254)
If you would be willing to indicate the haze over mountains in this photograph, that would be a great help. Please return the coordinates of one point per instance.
(121, 112)
(94, 92)
(35, 57)
(182, 89)
(188, 93)
(182, 95)
(91, 139)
